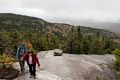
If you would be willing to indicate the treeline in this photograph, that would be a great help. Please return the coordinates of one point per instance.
(79, 43)
(75, 42)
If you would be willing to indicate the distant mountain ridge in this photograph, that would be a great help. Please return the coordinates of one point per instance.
(11, 22)
(113, 26)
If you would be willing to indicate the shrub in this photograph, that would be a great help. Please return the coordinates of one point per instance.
(117, 60)
(6, 61)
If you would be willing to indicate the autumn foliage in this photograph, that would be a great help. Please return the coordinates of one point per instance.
(6, 60)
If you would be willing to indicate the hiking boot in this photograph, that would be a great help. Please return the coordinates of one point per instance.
(34, 77)
(31, 76)
(22, 71)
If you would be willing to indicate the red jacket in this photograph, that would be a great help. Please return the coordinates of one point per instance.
(34, 59)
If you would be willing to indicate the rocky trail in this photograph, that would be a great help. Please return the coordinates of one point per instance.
(70, 67)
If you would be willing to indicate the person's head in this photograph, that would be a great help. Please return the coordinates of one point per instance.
(30, 52)
(22, 45)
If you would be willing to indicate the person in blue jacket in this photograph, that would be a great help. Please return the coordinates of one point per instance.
(20, 52)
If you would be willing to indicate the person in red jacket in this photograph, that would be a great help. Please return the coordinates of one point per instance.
(32, 60)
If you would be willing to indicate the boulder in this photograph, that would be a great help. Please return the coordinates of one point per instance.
(8, 73)
(58, 52)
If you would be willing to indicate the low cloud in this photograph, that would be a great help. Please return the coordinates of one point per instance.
(58, 10)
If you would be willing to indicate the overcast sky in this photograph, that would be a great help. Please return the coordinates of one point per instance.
(64, 10)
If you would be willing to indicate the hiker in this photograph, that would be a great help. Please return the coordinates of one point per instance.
(32, 60)
(20, 52)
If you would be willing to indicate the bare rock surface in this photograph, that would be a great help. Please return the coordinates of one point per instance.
(70, 67)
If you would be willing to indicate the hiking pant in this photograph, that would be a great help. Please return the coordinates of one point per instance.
(32, 69)
(22, 64)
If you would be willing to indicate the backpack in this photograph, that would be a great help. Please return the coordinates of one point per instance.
(21, 50)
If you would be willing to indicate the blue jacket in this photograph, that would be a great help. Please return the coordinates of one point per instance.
(20, 51)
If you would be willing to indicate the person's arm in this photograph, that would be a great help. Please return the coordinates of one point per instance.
(25, 53)
(24, 56)
(17, 53)
(37, 60)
